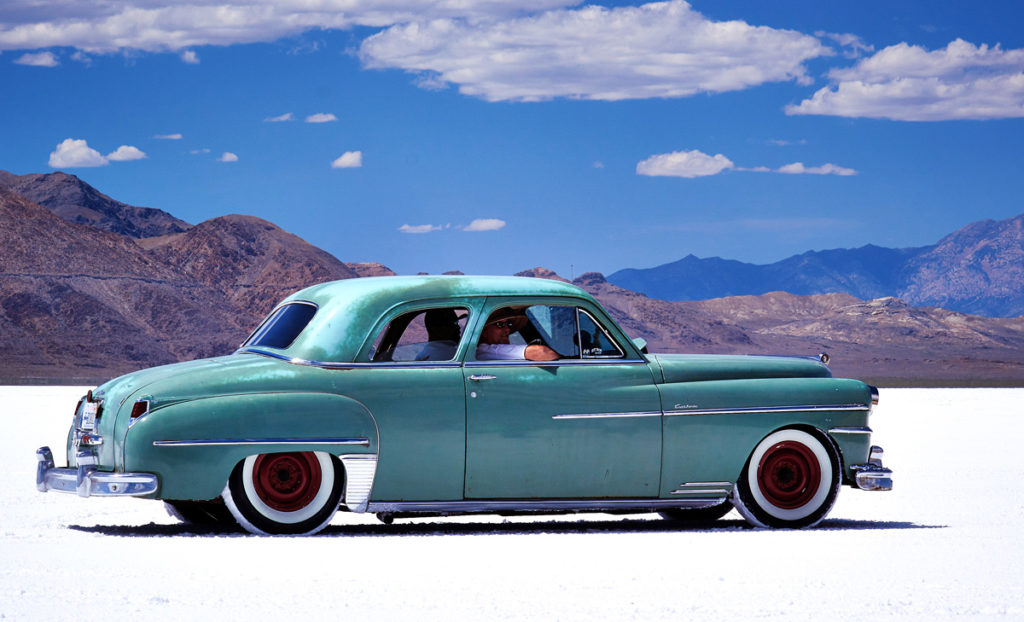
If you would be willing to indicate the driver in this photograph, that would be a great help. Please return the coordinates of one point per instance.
(494, 345)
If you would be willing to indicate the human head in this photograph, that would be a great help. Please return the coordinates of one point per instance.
(442, 325)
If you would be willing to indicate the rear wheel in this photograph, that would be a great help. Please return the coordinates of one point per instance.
(791, 481)
(294, 493)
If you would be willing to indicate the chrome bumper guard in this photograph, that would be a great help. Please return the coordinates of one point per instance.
(86, 481)
(873, 476)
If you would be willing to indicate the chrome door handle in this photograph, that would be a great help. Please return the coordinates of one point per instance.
(479, 377)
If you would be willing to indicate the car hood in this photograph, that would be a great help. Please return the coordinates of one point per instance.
(697, 367)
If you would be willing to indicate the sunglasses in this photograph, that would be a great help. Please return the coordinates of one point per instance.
(502, 323)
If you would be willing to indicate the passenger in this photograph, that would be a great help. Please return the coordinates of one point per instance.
(494, 343)
(443, 333)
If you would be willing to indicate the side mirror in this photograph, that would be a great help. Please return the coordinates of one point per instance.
(640, 343)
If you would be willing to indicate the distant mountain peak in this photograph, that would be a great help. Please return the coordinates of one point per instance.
(75, 201)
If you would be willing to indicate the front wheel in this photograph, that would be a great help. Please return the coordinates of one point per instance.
(294, 493)
(791, 481)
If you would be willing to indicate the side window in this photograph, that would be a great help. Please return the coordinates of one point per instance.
(594, 339)
(570, 331)
(281, 328)
(556, 328)
(423, 335)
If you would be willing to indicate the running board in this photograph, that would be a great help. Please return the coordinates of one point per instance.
(532, 506)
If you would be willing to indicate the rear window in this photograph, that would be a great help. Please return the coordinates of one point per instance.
(283, 326)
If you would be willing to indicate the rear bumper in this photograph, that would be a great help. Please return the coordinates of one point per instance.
(86, 481)
(873, 476)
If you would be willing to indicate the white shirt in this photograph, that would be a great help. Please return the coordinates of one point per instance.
(500, 352)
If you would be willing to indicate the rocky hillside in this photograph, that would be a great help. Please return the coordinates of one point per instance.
(76, 201)
(978, 269)
(80, 302)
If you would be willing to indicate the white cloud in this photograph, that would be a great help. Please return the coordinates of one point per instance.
(228, 157)
(598, 164)
(126, 153)
(198, 151)
(280, 118)
(349, 159)
(798, 168)
(190, 57)
(855, 46)
(321, 117)
(41, 59)
(168, 136)
(691, 164)
(419, 228)
(75, 153)
(170, 25)
(687, 164)
(485, 224)
(663, 49)
(908, 83)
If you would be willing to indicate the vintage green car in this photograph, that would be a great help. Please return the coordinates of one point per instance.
(417, 396)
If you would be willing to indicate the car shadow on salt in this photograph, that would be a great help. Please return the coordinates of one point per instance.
(420, 528)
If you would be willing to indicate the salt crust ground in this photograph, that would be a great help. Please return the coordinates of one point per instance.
(948, 542)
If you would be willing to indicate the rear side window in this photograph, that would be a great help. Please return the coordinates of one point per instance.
(283, 326)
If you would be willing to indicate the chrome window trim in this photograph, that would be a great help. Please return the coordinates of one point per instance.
(768, 410)
(649, 413)
(555, 363)
(364, 442)
(621, 352)
(533, 505)
(352, 365)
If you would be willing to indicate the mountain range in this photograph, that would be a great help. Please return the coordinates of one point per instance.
(91, 287)
(978, 269)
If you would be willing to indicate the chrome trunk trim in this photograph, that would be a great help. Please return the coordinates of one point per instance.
(768, 410)
(364, 442)
(360, 470)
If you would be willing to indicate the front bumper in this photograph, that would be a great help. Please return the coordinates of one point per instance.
(86, 481)
(873, 476)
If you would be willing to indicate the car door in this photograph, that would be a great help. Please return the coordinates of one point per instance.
(587, 425)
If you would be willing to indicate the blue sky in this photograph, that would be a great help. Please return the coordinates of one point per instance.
(492, 136)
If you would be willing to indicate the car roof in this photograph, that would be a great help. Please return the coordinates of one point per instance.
(347, 310)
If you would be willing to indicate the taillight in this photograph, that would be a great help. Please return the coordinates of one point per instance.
(140, 408)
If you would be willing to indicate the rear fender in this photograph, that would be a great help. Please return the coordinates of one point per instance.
(193, 446)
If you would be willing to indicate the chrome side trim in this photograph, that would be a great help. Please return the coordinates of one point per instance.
(854, 430)
(365, 442)
(768, 410)
(360, 470)
(704, 488)
(650, 413)
(533, 505)
(352, 365)
(593, 361)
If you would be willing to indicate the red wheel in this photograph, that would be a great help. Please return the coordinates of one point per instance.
(791, 480)
(788, 474)
(286, 482)
(285, 493)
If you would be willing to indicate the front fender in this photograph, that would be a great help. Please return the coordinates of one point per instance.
(193, 446)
